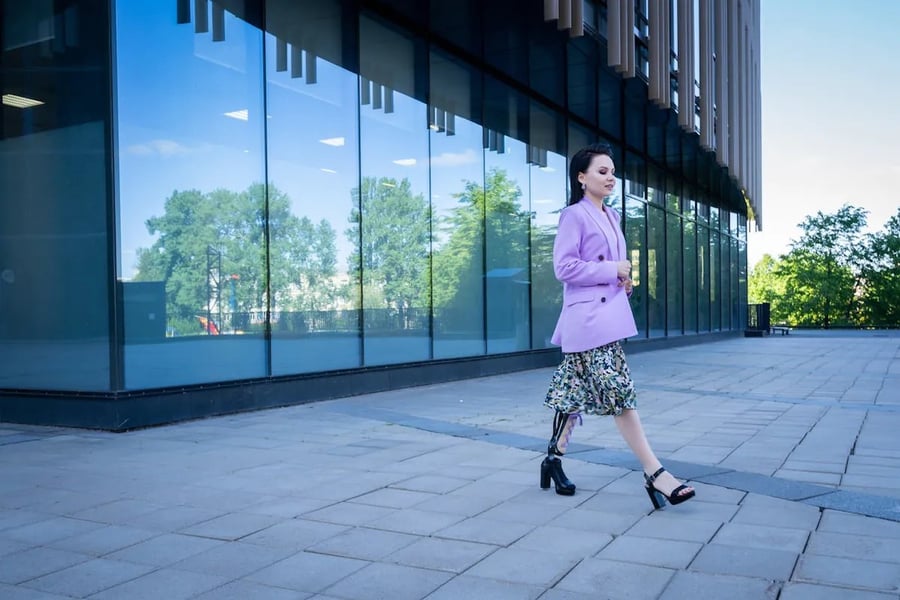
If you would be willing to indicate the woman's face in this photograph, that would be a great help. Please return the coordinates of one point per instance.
(600, 178)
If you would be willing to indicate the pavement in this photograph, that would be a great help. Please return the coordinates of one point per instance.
(791, 442)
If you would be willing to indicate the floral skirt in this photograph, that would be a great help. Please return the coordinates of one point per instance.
(594, 382)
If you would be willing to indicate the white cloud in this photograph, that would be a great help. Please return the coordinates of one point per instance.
(455, 159)
(158, 147)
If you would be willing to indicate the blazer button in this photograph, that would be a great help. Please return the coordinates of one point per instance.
(603, 299)
(600, 257)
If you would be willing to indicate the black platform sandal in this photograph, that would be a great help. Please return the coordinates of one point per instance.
(551, 468)
(658, 498)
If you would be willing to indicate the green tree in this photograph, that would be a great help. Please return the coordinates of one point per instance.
(822, 273)
(881, 295)
(391, 249)
(212, 248)
(489, 213)
(766, 286)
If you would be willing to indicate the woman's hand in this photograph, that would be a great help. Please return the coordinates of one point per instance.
(627, 284)
(623, 268)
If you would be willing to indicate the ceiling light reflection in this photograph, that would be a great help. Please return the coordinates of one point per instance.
(335, 141)
(20, 101)
(405, 162)
(240, 115)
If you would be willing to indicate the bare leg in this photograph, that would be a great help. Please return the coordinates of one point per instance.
(629, 424)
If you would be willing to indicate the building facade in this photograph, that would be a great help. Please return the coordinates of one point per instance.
(217, 205)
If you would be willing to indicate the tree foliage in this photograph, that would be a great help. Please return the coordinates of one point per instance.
(211, 251)
(834, 274)
(391, 251)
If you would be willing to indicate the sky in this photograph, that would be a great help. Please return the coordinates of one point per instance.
(830, 114)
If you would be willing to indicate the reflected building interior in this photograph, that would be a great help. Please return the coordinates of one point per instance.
(209, 206)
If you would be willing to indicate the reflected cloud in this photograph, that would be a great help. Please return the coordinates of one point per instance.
(456, 159)
(158, 147)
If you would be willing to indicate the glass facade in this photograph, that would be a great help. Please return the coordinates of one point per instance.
(245, 190)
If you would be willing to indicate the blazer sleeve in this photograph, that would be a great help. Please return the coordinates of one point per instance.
(568, 263)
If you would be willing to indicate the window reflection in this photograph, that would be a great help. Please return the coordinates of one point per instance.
(656, 271)
(635, 237)
(313, 156)
(460, 199)
(391, 251)
(192, 196)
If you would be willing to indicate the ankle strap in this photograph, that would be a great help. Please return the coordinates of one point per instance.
(652, 478)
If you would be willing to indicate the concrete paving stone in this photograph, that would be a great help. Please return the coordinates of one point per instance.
(657, 552)
(296, 533)
(872, 481)
(8, 592)
(170, 584)
(287, 507)
(613, 580)
(350, 513)
(379, 581)
(561, 538)
(363, 543)
(117, 512)
(435, 484)
(417, 522)
(830, 480)
(486, 531)
(597, 521)
(49, 530)
(762, 536)
(173, 518)
(497, 491)
(468, 586)
(392, 498)
(454, 556)
(90, 577)
(528, 512)
(163, 550)
(716, 494)
(844, 522)
(881, 506)
(849, 572)
(244, 590)
(853, 545)
(706, 586)
(36, 562)
(531, 567)
(306, 572)
(458, 504)
(809, 591)
(763, 563)
(556, 594)
(672, 526)
(15, 518)
(104, 540)
(231, 527)
(776, 512)
(234, 559)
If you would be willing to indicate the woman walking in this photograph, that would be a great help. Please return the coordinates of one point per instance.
(590, 259)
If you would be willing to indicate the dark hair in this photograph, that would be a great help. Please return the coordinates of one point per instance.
(579, 163)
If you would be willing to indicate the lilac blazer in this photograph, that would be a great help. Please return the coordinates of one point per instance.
(595, 310)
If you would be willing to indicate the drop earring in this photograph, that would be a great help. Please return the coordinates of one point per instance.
(583, 187)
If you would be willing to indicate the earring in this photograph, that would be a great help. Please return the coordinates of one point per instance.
(583, 187)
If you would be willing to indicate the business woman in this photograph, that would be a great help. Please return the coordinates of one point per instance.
(590, 259)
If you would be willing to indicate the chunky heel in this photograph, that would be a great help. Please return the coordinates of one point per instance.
(551, 468)
(545, 475)
(658, 498)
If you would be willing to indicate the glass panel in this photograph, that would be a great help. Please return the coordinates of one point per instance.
(635, 238)
(703, 277)
(656, 271)
(735, 284)
(609, 99)
(459, 22)
(394, 212)
(656, 188)
(460, 198)
(715, 281)
(55, 272)
(674, 286)
(725, 268)
(313, 149)
(192, 195)
(582, 79)
(508, 220)
(690, 276)
(547, 174)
